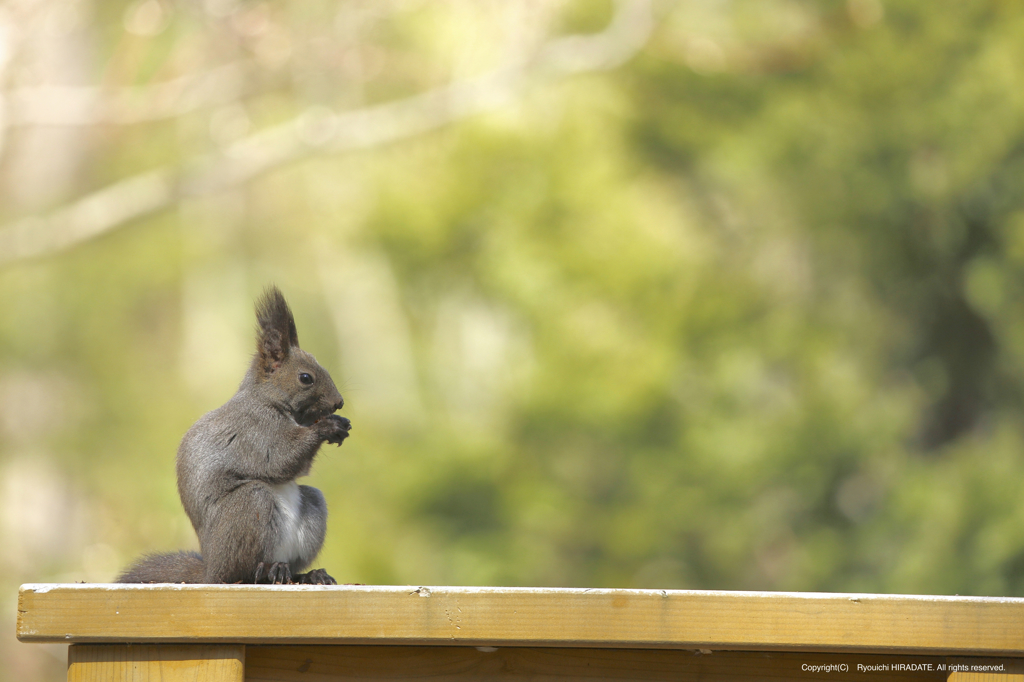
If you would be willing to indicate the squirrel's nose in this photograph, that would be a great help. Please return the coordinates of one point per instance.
(340, 404)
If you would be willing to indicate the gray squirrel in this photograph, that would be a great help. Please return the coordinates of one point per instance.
(237, 467)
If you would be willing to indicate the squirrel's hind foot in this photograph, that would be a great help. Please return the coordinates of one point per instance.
(315, 577)
(277, 573)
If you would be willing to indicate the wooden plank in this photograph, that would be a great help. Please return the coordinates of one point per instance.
(163, 662)
(521, 617)
(455, 664)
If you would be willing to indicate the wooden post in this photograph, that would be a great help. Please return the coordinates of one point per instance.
(163, 662)
(292, 633)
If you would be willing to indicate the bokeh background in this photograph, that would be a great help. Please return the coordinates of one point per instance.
(716, 294)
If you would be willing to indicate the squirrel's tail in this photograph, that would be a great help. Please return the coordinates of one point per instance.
(180, 567)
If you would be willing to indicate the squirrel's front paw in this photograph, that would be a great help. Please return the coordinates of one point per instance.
(335, 428)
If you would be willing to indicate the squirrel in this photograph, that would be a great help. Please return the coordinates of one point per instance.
(237, 467)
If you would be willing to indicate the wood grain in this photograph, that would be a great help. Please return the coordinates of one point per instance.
(166, 663)
(522, 617)
(452, 664)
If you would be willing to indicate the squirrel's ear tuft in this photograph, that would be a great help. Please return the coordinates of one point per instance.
(275, 331)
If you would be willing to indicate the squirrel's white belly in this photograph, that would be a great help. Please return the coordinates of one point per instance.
(290, 540)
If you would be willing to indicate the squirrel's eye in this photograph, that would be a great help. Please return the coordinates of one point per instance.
(307, 379)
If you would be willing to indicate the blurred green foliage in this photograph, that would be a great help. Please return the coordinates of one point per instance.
(742, 313)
